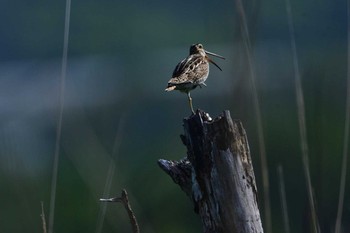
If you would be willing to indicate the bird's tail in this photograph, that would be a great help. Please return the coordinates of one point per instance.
(171, 88)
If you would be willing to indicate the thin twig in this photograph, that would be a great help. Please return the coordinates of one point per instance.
(283, 199)
(252, 76)
(125, 201)
(301, 118)
(346, 140)
(111, 173)
(42, 215)
(60, 118)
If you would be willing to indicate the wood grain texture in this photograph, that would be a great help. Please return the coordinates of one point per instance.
(218, 174)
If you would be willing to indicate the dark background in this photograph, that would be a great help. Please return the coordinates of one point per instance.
(121, 55)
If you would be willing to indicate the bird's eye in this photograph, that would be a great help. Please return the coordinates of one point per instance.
(200, 46)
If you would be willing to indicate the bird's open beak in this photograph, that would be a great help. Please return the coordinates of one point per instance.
(214, 63)
(215, 55)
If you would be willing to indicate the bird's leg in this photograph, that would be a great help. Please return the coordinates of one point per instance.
(200, 85)
(190, 101)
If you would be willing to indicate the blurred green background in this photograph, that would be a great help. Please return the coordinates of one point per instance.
(121, 55)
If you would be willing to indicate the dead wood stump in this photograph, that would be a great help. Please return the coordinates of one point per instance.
(217, 174)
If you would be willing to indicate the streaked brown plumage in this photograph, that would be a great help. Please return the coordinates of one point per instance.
(192, 71)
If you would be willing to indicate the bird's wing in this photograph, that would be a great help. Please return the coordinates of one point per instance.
(182, 79)
(187, 66)
(180, 68)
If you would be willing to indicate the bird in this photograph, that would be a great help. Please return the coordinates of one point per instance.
(192, 72)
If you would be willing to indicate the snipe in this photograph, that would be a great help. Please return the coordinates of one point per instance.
(192, 71)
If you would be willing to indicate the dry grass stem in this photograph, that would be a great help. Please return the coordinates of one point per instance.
(252, 77)
(283, 199)
(42, 215)
(301, 118)
(60, 118)
(346, 140)
(110, 173)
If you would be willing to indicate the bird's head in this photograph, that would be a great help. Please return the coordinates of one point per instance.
(198, 49)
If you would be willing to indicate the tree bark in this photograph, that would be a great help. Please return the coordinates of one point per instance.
(217, 174)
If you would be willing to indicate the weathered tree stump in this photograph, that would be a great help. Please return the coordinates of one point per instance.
(217, 174)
